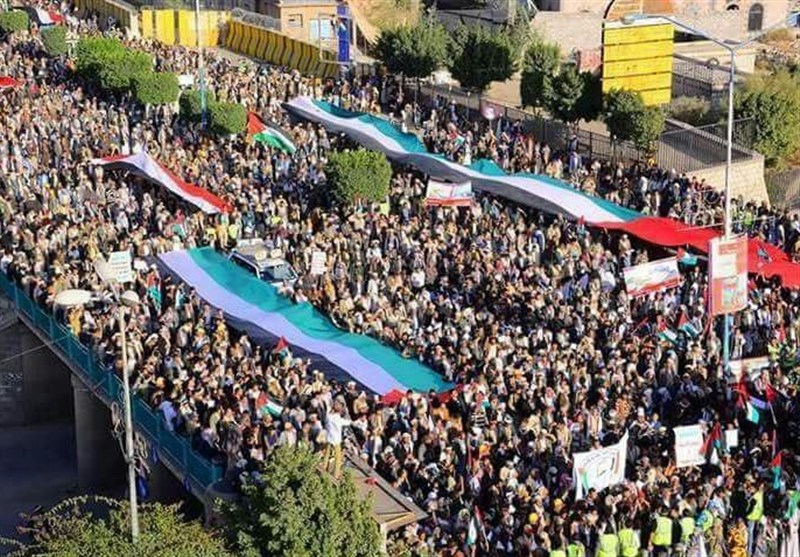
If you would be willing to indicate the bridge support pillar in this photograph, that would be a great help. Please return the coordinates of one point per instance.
(100, 462)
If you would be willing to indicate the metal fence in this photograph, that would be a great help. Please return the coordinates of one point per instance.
(783, 188)
(175, 449)
(682, 147)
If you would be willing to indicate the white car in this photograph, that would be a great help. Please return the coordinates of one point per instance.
(255, 256)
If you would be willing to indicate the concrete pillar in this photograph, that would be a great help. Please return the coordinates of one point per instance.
(100, 462)
(46, 381)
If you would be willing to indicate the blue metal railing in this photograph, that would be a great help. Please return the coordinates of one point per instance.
(177, 448)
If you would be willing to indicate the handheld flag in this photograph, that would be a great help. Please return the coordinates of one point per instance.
(777, 469)
(752, 413)
(268, 135)
(281, 347)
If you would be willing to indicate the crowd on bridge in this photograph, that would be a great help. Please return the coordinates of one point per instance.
(526, 312)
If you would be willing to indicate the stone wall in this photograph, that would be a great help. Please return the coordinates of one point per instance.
(747, 179)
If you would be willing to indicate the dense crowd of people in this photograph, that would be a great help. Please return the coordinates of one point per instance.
(526, 312)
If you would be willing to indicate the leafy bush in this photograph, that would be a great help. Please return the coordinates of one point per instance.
(118, 71)
(190, 105)
(156, 87)
(773, 102)
(359, 176)
(55, 40)
(100, 527)
(15, 20)
(692, 110)
(629, 119)
(94, 52)
(276, 511)
(481, 56)
(227, 118)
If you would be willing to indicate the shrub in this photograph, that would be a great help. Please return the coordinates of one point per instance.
(15, 20)
(94, 52)
(692, 110)
(156, 87)
(359, 176)
(190, 105)
(55, 40)
(227, 118)
(118, 71)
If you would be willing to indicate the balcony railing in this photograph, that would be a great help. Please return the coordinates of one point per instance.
(107, 386)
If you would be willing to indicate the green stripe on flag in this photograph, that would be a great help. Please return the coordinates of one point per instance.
(275, 138)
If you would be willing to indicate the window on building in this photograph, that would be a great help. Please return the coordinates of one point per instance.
(755, 19)
(294, 21)
(321, 29)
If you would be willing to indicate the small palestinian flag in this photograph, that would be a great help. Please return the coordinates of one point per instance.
(777, 470)
(268, 135)
(753, 414)
(281, 347)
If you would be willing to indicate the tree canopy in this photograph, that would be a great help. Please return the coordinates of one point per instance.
(359, 176)
(628, 118)
(480, 56)
(415, 51)
(773, 102)
(100, 527)
(540, 64)
(294, 510)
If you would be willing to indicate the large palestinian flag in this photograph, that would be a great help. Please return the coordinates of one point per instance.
(533, 190)
(255, 307)
(268, 135)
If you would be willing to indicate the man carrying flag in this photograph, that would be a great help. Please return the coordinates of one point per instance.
(268, 135)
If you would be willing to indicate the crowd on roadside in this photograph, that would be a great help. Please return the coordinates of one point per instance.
(526, 312)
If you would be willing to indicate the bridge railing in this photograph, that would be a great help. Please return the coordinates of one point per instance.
(107, 385)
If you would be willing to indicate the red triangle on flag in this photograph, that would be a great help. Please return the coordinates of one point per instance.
(777, 462)
(281, 346)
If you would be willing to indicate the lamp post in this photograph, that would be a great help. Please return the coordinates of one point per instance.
(76, 298)
(201, 66)
(732, 47)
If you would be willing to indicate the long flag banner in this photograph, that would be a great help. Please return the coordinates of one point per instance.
(442, 194)
(268, 135)
(652, 277)
(540, 192)
(600, 468)
(147, 167)
(255, 307)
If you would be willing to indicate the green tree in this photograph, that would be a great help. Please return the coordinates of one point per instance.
(190, 105)
(15, 20)
(54, 39)
(480, 56)
(590, 105)
(415, 51)
(538, 68)
(566, 91)
(628, 119)
(100, 527)
(156, 87)
(773, 102)
(227, 118)
(94, 52)
(120, 68)
(294, 510)
(359, 176)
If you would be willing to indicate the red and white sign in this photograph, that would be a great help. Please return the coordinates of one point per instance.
(442, 194)
(727, 264)
(652, 277)
(146, 166)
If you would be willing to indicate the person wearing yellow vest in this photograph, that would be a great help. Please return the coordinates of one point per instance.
(754, 518)
(629, 542)
(608, 544)
(688, 525)
(661, 538)
(575, 549)
(558, 552)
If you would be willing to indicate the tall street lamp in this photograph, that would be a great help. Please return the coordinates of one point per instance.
(201, 66)
(129, 298)
(732, 47)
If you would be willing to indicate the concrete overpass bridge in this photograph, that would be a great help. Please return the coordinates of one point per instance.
(97, 400)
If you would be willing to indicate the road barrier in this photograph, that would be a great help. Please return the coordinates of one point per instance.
(274, 48)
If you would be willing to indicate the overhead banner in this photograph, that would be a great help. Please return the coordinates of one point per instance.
(652, 277)
(600, 468)
(727, 263)
(688, 446)
(442, 194)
